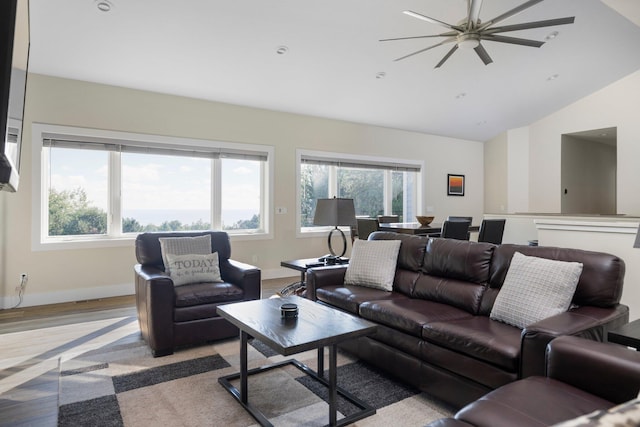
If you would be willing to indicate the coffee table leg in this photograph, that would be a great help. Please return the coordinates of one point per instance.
(243, 367)
(333, 384)
(321, 361)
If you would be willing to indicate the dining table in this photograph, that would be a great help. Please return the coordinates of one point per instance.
(416, 228)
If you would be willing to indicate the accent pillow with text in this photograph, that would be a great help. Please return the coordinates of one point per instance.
(194, 268)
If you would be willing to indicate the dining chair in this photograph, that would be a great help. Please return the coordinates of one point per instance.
(491, 231)
(462, 218)
(384, 219)
(366, 226)
(455, 230)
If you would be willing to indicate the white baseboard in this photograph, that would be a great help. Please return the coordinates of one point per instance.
(82, 294)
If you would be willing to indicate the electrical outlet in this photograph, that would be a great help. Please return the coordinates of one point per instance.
(24, 278)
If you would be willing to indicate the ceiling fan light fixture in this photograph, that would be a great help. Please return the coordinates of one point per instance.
(468, 41)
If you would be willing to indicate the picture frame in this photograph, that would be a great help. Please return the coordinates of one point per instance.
(455, 184)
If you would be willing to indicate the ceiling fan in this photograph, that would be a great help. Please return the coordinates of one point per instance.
(469, 32)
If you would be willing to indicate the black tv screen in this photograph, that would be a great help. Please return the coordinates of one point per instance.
(14, 58)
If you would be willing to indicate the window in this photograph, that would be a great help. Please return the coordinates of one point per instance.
(378, 186)
(108, 186)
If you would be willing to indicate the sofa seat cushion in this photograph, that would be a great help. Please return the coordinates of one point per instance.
(479, 337)
(350, 297)
(207, 293)
(409, 314)
(533, 401)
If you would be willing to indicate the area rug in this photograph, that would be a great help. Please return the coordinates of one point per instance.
(123, 385)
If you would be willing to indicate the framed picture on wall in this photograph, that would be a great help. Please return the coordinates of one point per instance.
(455, 185)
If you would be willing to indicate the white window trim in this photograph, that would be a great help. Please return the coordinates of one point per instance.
(39, 235)
(300, 153)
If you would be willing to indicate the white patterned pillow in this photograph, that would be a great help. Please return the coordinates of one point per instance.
(194, 268)
(624, 415)
(534, 289)
(373, 263)
(183, 246)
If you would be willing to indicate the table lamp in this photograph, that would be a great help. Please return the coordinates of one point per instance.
(335, 212)
(637, 242)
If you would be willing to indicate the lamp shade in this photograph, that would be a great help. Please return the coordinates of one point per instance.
(637, 242)
(335, 212)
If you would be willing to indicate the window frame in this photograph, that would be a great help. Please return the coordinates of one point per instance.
(387, 163)
(41, 241)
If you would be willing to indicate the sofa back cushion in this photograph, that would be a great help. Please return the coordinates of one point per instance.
(458, 259)
(149, 252)
(601, 280)
(412, 248)
(455, 272)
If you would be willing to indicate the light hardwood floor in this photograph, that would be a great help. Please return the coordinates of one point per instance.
(33, 341)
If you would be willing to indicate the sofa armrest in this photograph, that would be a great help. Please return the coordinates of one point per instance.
(155, 299)
(607, 370)
(320, 277)
(248, 277)
(587, 322)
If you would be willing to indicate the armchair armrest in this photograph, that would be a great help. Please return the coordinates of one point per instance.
(587, 322)
(320, 277)
(248, 277)
(155, 301)
(609, 371)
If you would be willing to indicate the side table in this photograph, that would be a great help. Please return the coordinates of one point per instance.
(628, 335)
(302, 265)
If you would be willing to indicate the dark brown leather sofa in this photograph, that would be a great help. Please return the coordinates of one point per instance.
(435, 331)
(582, 376)
(173, 316)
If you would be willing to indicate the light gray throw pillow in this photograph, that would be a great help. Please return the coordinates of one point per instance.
(534, 289)
(373, 263)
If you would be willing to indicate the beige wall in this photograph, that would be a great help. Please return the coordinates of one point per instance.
(80, 274)
(617, 105)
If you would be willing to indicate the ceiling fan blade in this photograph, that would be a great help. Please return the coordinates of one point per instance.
(483, 54)
(432, 20)
(449, 40)
(528, 25)
(474, 13)
(509, 13)
(511, 40)
(442, 61)
(449, 34)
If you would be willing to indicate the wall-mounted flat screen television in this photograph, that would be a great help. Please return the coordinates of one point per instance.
(14, 58)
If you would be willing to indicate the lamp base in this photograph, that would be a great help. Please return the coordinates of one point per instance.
(344, 243)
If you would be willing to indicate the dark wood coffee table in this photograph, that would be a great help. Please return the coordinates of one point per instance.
(315, 327)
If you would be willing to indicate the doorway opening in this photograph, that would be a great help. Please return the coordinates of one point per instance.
(588, 172)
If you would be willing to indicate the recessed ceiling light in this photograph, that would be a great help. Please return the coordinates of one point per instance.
(104, 6)
(553, 77)
(552, 35)
(282, 50)
(381, 75)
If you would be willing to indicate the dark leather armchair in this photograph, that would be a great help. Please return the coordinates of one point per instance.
(173, 316)
(582, 376)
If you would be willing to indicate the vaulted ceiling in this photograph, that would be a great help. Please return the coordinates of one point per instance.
(334, 65)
